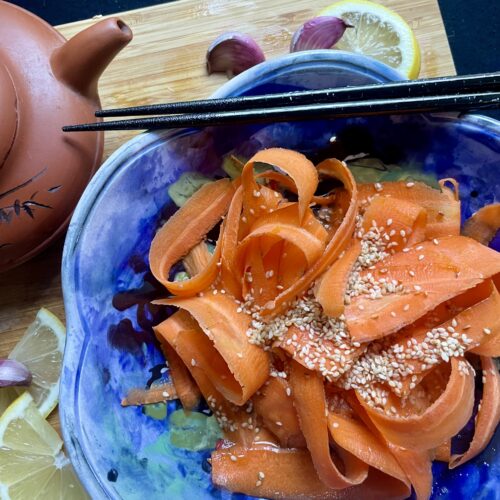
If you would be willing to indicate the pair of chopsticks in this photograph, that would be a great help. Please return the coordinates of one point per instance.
(456, 93)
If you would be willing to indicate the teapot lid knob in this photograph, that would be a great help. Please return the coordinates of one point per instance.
(8, 112)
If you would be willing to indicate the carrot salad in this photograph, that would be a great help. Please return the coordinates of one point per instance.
(335, 336)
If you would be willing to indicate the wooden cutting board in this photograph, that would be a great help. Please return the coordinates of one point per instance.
(166, 62)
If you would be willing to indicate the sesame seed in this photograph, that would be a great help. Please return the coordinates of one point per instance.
(261, 475)
(335, 425)
(278, 423)
(411, 273)
(288, 391)
(406, 307)
(258, 483)
(410, 184)
(165, 394)
(389, 222)
(193, 362)
(486, 331)
(234, 458)
(393, 314)
(244, 219)
(378, 186)
(421, 257)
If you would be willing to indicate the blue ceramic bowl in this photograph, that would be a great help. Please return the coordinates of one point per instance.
(126, 452)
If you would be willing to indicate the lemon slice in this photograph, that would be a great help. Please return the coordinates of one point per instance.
(32, 464)
(41, 350)
(379, 33)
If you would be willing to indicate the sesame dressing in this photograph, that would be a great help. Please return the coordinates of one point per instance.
(322, 343)
(224, 422)
(374, 246)
(391, 365)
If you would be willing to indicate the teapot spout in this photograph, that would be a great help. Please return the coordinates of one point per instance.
(81, 60)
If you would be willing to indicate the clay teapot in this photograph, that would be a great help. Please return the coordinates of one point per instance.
(46, 82)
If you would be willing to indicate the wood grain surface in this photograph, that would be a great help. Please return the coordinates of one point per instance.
(166, 62)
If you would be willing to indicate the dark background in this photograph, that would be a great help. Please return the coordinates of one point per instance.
(473, 26)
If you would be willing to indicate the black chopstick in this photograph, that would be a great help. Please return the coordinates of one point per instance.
(449, 85)
(467, 102)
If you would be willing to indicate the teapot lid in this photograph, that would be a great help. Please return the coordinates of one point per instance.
(8, 112)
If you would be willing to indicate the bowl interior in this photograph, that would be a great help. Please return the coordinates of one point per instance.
(124, 452)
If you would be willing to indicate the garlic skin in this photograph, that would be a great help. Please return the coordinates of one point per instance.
(13, 373)
(233, 53)
(321, 32)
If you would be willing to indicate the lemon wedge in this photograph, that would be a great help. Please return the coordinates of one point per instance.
(7, 395)
(32, 463)
(379, 33)
(40, 350)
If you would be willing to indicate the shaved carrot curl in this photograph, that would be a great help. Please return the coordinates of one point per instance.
(484, 224)
(488, 415)
(332, 327)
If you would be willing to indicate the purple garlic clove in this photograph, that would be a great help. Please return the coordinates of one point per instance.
(322, 32)
(13, 373)
(233, 53)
